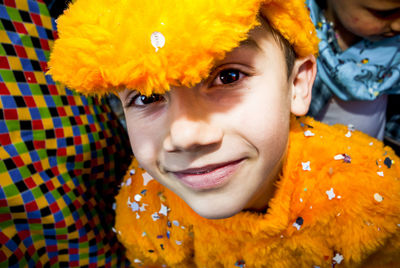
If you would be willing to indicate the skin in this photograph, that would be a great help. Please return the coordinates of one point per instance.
(368, 19)
(238, 118)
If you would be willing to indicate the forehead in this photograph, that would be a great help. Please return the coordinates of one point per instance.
(259, 39)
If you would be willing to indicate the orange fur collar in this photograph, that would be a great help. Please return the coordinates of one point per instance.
(343, 209)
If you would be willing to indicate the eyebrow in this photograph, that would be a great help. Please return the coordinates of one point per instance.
(250, 42)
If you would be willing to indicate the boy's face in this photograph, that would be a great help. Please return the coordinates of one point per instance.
(220, 144)
(369, 19)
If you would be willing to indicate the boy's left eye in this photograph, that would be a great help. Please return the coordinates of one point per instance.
(142, 100)
(228, 76)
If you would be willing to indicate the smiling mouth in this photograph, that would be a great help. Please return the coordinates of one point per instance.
(208, 177)
(389, 34)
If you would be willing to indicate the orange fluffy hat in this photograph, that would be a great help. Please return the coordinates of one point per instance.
(108, 45)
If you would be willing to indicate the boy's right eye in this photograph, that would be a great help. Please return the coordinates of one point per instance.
(139, 100)
(228, 76)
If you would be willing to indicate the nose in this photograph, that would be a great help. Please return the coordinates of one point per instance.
(191, 128)
(395, 25)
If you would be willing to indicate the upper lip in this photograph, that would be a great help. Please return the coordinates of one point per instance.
(206, 168)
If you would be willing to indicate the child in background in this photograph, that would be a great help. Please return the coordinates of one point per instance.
(358, 65)
(224, 175)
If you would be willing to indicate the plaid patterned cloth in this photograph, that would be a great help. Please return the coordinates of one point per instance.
(61, 155)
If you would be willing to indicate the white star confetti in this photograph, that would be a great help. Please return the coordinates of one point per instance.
(338, 258)
(176, 223)
(348, 134)
(308, 133)
(178, 242)
(306, 165)
(144, 234)
(128, 181)
(371, 143)
(155, 216)
(378, 197)
(133, 205)
(138, 197)
(298, 226)
(330, 194)
(146, 178)
(137, 215)
(301, 200)
(114, 230)
(163, 210)
(114, 206)
(398, 225)
(338, 157)
(380, 173)
(137, 261)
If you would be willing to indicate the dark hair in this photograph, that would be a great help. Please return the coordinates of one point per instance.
(288, 51)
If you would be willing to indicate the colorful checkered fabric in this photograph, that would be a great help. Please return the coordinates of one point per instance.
(61, 155)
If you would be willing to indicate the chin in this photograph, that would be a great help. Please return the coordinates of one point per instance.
(214, 212)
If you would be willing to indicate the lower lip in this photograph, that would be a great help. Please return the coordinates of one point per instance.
(213, 179)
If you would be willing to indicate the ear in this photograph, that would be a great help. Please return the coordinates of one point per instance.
(302, 80)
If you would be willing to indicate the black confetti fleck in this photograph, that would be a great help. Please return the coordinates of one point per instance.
(347, 158)
(299, 221)
(388, 162)
(240, 263)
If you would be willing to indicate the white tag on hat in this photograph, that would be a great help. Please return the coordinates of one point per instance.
(157, 40)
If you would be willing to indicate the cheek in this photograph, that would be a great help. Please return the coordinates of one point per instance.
(364, 26)
(265, 122)
(145, 142)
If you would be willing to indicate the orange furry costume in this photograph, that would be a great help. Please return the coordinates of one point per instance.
(338, 198)
(337, 201)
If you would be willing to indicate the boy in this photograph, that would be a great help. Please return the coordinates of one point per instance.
(208, 88)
